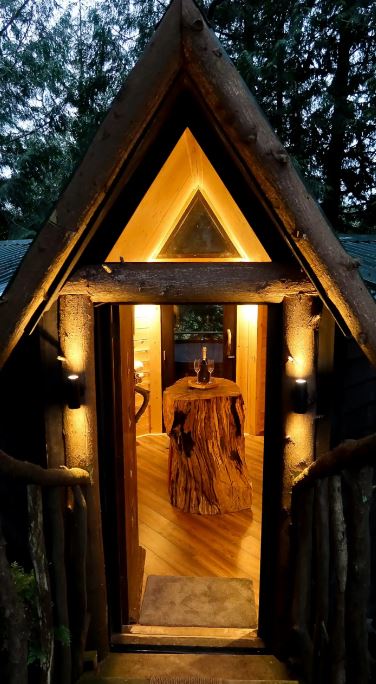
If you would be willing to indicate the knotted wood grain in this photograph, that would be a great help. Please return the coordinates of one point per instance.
(207, 469)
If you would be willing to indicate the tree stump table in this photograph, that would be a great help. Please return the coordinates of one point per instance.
(207, 469)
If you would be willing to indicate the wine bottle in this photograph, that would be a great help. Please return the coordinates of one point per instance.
(203, 374)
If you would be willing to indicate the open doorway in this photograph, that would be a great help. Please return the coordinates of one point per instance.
(179, 544)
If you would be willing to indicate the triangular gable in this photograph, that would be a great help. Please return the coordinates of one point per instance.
(186, 171)
(185, 51)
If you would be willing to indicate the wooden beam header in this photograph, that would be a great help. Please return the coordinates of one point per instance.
(170, 283)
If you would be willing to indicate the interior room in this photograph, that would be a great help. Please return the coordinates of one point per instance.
(178, 543)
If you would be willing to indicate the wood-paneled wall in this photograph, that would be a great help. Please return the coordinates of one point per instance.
(147, 349)
(251, 364)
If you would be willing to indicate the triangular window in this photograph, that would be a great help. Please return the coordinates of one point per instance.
(198, 234)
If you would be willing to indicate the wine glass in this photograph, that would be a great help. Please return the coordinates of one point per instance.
(196, 366)
(210, 363)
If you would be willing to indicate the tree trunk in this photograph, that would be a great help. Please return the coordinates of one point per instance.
(339, 124)
(207, 470)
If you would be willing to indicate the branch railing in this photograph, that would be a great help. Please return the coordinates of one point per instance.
(56, 506)
(333, 611)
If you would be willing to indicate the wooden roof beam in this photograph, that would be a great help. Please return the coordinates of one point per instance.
(305, 228)
(144, 283)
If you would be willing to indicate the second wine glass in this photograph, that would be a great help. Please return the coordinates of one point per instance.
(210, 368)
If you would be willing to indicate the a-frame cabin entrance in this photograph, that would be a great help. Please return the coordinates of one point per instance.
(154, 276)
(267, 242)
(205, 227)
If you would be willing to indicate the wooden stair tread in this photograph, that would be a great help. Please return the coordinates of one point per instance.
(138, 668)
(121, 680)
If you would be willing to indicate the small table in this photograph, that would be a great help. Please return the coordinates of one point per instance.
(207, 469)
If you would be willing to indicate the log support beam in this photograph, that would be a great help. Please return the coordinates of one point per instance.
(170, 283)
(76, 333)
(300, 323)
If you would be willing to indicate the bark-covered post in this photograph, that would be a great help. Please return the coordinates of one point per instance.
(357, 492)
(44, 600)
(300, 321)
(322, 573)
(76, 332)
(339, 569)
(13, 622)
(62, 656)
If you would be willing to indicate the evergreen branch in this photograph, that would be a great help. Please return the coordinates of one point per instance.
(212, 8)
(13, 17)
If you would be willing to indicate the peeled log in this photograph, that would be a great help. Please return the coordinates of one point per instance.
(207, 469)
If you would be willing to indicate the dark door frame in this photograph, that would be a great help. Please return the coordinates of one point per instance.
(113, 505)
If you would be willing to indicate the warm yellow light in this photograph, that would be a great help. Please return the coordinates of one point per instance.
(250, 312)
(146, 312)
(73, 376)
(299, 430)
(138, 365)
(74, 354)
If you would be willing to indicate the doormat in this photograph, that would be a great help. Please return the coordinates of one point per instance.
(198, 602)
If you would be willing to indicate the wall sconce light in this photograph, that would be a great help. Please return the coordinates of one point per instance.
(299, 396)
(74, 391)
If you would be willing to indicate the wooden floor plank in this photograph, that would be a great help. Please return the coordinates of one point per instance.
(177, 543)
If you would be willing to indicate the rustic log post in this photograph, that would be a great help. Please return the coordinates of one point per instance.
(302, 587)
(14, 622)
(357, 488)
(52, 369)
(76, 332)
(39, 560)
(62, 658)
(337, 673)
(322, 556)
(300, 322)
(80, 620)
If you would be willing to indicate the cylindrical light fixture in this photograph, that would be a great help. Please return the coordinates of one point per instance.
(299, 396)
(73, 391)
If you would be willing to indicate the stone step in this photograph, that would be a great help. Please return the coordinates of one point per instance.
(178, 668)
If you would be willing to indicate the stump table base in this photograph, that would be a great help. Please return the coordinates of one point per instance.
(207, 469)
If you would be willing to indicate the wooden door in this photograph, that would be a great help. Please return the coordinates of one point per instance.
(117, 447)
(186, 328)
(134, 553)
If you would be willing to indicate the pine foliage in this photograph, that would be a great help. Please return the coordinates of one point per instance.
(310, 63)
